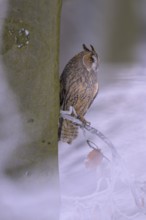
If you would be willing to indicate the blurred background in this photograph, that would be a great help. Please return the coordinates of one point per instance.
(117, 30)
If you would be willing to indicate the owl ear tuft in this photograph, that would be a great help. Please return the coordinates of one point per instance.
(85, 48)
(92, 48)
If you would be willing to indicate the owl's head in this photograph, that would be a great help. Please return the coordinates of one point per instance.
(90, 58)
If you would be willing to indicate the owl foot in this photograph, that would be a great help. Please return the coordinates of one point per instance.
(83, 120)
(71, 111)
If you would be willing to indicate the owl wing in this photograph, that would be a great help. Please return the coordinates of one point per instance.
(68, 89)
(94, 96)
(62, 93)
(67, 131)
(62, 88)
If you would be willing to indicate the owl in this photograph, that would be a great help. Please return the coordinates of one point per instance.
(78, 88)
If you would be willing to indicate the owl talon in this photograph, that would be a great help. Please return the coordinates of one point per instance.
(88, 123)
(73, 111)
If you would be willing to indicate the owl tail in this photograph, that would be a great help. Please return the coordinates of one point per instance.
(67, 131)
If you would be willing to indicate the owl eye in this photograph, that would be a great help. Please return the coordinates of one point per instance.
(94, 65)
(94, 59)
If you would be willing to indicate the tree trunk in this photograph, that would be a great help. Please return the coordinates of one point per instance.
(30, 52)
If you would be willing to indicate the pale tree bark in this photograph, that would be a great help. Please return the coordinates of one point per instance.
(30, 51)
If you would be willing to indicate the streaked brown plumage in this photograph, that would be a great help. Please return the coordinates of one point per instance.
(78, 88)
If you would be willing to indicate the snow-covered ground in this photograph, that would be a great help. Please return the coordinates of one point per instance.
(105, 185)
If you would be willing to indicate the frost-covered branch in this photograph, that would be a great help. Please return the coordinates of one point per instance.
(117, 164)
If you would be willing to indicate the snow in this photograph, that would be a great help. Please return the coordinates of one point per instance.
(116, 189)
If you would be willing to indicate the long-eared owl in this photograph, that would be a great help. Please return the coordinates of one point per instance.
(78, 88)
